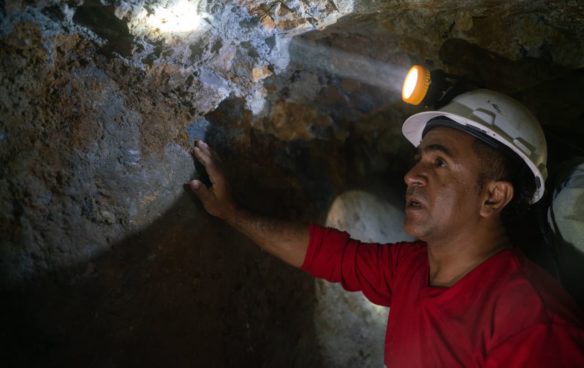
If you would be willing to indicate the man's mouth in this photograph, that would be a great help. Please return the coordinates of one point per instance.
(413, 203)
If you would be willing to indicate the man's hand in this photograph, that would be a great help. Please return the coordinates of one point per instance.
(285, 240)
(216, 199)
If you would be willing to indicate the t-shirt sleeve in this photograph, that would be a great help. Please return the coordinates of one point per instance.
(543, 345)
(332, 255)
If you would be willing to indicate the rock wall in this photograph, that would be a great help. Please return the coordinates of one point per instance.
(106, 261)
(350, 329)
(98, 112)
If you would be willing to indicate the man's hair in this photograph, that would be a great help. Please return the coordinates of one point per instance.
(503, 164)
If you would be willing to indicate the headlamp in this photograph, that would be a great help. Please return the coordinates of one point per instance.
(433, 88)
(416, 85)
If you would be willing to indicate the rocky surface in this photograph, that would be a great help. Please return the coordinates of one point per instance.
(350, 329)
(100, 102)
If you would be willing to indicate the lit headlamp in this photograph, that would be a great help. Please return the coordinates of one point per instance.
(433, 88)
(416, 85)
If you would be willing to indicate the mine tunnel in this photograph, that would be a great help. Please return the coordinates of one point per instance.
(107, 259)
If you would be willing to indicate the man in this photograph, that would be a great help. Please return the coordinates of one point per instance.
(460, 296)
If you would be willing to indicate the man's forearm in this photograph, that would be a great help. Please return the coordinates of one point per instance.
(285, 240)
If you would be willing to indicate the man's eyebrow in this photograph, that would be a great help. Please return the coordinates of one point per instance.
(434, 148)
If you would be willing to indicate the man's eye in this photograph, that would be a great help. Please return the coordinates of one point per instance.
(439, 162)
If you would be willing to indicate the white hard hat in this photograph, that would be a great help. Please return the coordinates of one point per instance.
(497, 116)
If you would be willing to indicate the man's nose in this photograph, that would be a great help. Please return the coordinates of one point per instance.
(415, 176)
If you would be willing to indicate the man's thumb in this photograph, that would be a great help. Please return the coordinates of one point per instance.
(200, 190)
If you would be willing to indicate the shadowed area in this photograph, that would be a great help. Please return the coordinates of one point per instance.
(186, 290)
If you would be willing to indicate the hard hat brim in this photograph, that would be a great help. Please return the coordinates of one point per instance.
(413, 129)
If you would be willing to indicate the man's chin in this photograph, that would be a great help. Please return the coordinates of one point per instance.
(414, 231)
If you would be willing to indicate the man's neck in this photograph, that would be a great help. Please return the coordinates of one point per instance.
(451, 259)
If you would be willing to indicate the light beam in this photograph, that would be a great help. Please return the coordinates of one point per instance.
(348, 65)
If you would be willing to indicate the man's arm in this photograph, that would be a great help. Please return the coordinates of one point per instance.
(285, 240)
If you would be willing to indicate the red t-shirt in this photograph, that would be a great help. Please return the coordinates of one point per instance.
(506, 312)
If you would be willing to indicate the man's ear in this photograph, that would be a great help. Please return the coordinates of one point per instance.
(498, 193)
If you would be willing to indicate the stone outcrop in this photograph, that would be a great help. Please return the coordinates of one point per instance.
(100, 102)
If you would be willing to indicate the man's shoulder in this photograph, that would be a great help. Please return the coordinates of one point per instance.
(525, 295)
(528, 309)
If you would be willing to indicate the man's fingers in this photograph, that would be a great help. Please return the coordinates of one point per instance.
(203, 153)
(203, 147)
(200, 190)
(205, 158)
(215, 174)
(216, 199)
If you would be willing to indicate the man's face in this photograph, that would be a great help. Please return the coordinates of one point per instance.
(442, 198)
